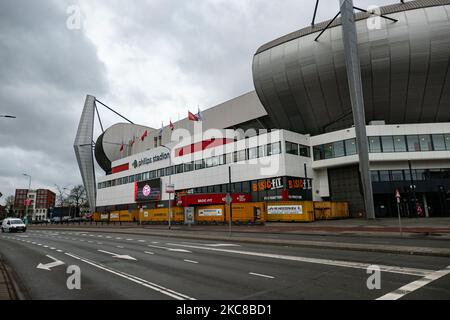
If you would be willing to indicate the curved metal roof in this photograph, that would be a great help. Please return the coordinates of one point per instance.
(404, 67)
(398, 7)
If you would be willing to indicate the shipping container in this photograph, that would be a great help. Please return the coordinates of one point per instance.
(325, 210)
(290, 211)
(251, 212)
(210, 214)
(161, 215)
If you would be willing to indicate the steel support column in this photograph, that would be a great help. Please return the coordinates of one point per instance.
(357, 100)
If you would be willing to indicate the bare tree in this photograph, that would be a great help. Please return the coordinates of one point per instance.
(9, 204)
(78, 198)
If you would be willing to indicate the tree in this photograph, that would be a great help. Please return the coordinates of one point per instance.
(9, 204)
(78, 198)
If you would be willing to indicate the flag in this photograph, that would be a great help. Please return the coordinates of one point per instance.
(133, 141)
(160, 131)
(144, 135)
(122, 147)
(171, 126)
(200, 115)
(192, 117)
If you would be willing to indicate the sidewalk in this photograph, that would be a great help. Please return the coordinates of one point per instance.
(7, 291)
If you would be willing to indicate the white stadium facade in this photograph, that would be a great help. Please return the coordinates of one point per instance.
(293, 139)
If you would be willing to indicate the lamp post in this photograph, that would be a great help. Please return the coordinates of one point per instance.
(29, 187)
(170, 184)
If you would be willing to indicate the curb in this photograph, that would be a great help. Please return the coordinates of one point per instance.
(422, 251)
(8, 289)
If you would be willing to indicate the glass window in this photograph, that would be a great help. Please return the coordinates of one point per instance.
(252, 153)
(210, 189)
(438, 142)
(125, 180)
(209, 162)
(179, 168)
(199, 164)
(419, 174)
(261, 151)
(374, 175)
(238, 187)
(399, 144)
(304, 151)
(119, 181)
(161, 172)
(384, 175)
(108, 184)
(338, 149)
(291, 148)
(397, 175)
(328, 150)
(131, 178)
(169, 171)
(447, 141)
(413, 143)
(246, 187)
(425, 142)
(350, 147)
(215, 161)
(240, 155)
(318, 152)
(374, 144)
(99, 186)
(217, 188)
(229, 158)
(222, 160)
(387, 142)
(275, 148)
(188, 167)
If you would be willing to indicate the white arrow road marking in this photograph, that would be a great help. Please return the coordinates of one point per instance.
(337, 263)
(50, 265)
(156, 287)
(170, 249)
(119, 256)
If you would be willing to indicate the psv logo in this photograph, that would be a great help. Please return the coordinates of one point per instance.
(146, 190)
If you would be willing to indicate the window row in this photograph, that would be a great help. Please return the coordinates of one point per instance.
(297, 149)
(410, 143)
(237, 156)
(405, 175)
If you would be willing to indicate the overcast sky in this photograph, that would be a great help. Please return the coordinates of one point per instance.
(151, 60)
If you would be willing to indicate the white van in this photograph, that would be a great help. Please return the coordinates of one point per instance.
(13, 225)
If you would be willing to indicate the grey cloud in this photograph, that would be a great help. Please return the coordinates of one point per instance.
(46, 71)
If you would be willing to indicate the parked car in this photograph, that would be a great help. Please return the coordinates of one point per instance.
(56, 220)
(13, 225)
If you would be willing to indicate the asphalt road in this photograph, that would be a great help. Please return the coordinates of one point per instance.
(130, 266)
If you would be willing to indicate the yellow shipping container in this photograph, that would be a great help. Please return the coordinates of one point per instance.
(250, 212)
(294, 211)
(210, 214)
(122, 216)
(324, 210)
(161, 215)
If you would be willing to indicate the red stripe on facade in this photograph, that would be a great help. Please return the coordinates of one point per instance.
(121, 168)
(200, 146)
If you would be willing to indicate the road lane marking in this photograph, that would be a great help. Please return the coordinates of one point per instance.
(190, 261)
(130, 239)
(45, 246)
(337, 263)
(50, 265)
(118, 238)
(145, 283)
(52, 248)
(148, 252)
(169, 249)
(141, 240)
(413, 286)
(155, 242)
(120, 247)
(59, 250)
(108, 237)
(261, 275)
(119, 256)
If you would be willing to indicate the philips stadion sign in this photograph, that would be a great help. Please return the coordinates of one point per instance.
(149, 160)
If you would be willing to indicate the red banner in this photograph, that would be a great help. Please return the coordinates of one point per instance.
(208, 199)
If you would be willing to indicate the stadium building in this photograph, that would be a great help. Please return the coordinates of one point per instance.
(292, 139)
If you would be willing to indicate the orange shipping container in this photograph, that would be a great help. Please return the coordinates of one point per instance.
(302, 211)
(210, 214)
(251, 212)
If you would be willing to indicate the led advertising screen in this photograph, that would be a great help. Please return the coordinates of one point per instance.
(148, 191)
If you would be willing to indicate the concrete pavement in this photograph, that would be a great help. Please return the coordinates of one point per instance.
(144, 266)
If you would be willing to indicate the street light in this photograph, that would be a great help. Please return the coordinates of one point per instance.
(29, 187)
(170, 183)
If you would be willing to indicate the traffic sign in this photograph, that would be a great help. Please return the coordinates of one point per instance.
(397, 194)
(228, 199)
(170, 188)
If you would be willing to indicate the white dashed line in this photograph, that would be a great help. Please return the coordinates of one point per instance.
(148, 252)
(141, 240)
(191, 261)
(261, 275)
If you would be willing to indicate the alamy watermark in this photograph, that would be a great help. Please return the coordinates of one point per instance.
(73, 21)
(374, 280)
